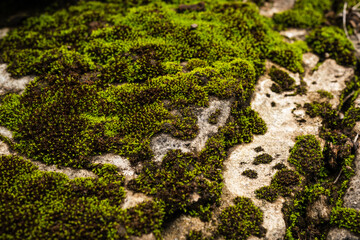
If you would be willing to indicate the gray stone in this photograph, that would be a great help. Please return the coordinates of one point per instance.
(341, 234)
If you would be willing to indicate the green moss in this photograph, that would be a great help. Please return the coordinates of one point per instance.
(268, 193)
(307, 156)
(325, 94)
(284, 81)
(241, 220)
(333, 41)
(305, 14)
(283, 183)
(250, 173)
(38, 204)
(213, 118)
(263, 159)
(346, 218)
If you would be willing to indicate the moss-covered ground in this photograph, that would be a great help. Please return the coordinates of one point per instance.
(109, 77)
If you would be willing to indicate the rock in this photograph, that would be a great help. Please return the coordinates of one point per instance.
(319, 210)
(341, 234)
(200, 7)
(9, 84)
(284, 126)
(276, 6)
(194, 26)
(144, 237)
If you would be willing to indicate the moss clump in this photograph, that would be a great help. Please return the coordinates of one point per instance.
(45, 205)
(346, 218)
(325, 94)
(264, 158)
(250, 173)
(307, 156)
(305, 14)
(241, 220)
(333, 41)
(282, 79)
(283, 183)
(213, 118)
(268, 193)
(279, 166)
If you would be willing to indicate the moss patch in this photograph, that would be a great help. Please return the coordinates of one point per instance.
(263, 159)
(241, 220)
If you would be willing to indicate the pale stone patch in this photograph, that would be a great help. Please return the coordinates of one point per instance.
(6, 132)
(285, 121)
(276, 6)
(4, 32)
(162, 143)
(10, 84)
(122, 163)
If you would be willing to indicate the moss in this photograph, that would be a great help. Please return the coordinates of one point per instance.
(259, 149)
(325, 94)
(279, 166)
(38, 204)
(305, 14)
(284, 81)
(241, 220)
(346, 218)
(307, 156)
(250, 173)
(268, 193)
(333, 41)
(284, 183)
(213, 118)
(264, 158)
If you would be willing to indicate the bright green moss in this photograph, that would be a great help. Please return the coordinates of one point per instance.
(307, 156)
(305, 14)
(333, 41)
(108, 80)
(346, 218)
(241, 220)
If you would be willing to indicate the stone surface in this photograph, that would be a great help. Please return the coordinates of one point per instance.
(9, 84)
(276, 6)
(3, 32)
(285, 121)
(121, 162)
(319, 210)
(162, 143)
(341, 234)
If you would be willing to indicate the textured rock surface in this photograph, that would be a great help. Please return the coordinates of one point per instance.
(285, 121)
(341, 234)
(272, 7)
(163, 143)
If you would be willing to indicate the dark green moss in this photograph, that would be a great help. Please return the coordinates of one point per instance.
(250, 173)
(325, 94)
(307, 156)
(282, 78)
(213, 118)
(45, 205)
(241, 220)
(268, 193)
(333, 41)
(264, 158)
(279, 166)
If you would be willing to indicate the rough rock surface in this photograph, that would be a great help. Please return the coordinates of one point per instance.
(276, 6)
(285, 121)
(162, 143)
(9, 84)
(341, 234)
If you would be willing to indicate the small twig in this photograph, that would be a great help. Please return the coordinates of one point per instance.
(344, 20)
(356, 6)
(338, 176)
